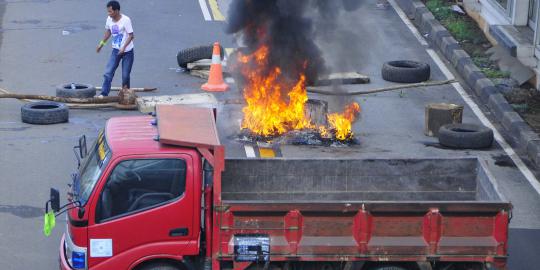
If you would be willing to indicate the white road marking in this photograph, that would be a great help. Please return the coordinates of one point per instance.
(477, 111)
(205, 11)
(408, 22)
(250, 152)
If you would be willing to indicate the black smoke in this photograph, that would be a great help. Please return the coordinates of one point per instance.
(288, 27)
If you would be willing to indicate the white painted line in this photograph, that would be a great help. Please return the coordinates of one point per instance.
(250, 152)
(474, 107)
(205, 11)
(229, 80)
(408, 22)
(506, 147)
(447, 73)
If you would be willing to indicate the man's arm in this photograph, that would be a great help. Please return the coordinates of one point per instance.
(129, 39)
(106, 37)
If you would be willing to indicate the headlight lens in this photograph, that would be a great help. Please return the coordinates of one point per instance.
(78, 260)
(76, 256)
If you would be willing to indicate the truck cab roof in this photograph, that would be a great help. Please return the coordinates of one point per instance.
(134, 135)
(177, 126)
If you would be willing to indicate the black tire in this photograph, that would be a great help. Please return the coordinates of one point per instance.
(81, 91)
(405, 71)
(44, 113)
(465, 136)
(190, 55)
(158, 266)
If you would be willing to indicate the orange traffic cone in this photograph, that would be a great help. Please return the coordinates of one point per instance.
(215, 80)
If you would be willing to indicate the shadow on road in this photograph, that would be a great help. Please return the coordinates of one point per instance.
(23, 211)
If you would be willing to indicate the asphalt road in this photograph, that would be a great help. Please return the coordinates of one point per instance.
(35, 56)
(48, 42)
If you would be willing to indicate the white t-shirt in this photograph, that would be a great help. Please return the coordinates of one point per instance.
(120, 31)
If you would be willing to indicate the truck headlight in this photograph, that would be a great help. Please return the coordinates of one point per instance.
(75, 255)
(78, 260)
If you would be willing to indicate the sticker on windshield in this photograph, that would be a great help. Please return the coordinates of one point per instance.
(101, 151)
(101, 248)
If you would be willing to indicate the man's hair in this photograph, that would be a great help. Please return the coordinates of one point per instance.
(114, 5)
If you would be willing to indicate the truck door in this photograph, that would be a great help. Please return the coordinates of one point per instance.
(145, 207)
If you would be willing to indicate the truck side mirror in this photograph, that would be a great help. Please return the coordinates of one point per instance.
(55, 200)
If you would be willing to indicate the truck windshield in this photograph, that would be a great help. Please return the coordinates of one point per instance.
(91, 169)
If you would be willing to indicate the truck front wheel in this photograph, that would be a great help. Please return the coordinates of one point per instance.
(159, 266)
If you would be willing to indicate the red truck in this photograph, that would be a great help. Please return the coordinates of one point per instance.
(156, 192)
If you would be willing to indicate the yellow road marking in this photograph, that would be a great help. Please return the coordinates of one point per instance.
(228, 51)
(218, 16)
(266, 152)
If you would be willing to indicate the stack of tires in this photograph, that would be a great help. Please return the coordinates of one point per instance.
(50, 112)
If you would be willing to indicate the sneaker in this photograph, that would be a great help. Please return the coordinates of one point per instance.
(382, 4)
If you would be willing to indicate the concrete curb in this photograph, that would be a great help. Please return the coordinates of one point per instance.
(522, 136)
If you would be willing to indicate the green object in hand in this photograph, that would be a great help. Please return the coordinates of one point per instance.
(49, 222)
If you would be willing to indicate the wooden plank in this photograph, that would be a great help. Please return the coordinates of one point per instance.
(439, 114)
(341, 78)
(204, 74)
(203, 64)
(148, 104)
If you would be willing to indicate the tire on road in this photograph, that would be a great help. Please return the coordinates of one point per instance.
(405, 71)
(190, 55)
(81, 91)
(44, 113)
(465, 136)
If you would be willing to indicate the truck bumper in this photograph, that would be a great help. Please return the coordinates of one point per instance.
(62, 260)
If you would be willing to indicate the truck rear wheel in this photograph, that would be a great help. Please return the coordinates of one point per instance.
(388, 267)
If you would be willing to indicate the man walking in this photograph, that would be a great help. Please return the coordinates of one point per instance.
(119, 27)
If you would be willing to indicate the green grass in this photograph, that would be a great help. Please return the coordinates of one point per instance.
(494, 73)
(467, 33)
(460, 30)
(439, 9)
(456, 24)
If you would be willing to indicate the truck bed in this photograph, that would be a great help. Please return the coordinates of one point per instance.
(363, 209)
(461, 179)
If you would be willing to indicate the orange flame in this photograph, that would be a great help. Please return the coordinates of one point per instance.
(342, 123)
(276, 103)
(267, 112)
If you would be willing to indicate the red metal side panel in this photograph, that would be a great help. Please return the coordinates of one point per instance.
(302, 232)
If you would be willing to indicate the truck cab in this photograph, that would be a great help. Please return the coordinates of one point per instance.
(138, 200)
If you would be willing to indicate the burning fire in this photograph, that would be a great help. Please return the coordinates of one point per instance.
(276, 102)
(342, 123)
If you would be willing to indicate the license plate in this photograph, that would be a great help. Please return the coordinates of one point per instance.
(251, 248)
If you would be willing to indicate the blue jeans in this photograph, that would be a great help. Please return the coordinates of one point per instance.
(127, 62)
